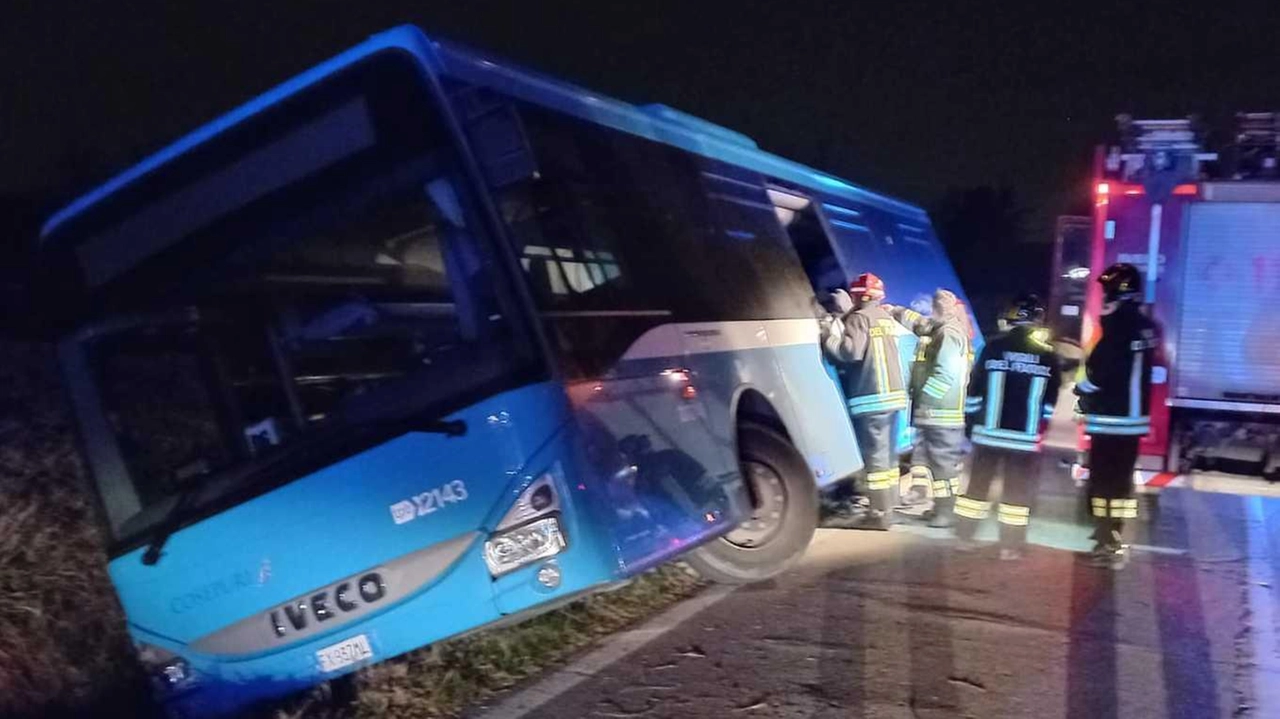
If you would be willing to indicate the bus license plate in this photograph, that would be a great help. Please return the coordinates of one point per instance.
(344, 653)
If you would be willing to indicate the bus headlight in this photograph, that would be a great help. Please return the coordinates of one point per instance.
(514, 548)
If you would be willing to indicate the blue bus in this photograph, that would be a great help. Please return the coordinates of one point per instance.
(418, 341)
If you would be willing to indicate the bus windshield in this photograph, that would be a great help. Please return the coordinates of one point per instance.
(371, 317)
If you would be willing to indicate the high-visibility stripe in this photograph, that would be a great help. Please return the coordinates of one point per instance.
(878, 402)
(1034, 396)
(936, 388)
(970, 508)
(881, 396)
(936, 413)
(1006, 439)
(995, 398)
(941, 488)
(1087, 387)
(882, 365)
(882, 479)
(1110, 419)
(1005, 444)
(1114, 508)
(938, 418)
(965, 372)
(1014, 515)
(1012, 434)
(1124, 431)
(1048, 411)
(878, 408)
(1135, 386)
(1124, 508)
(925, 418)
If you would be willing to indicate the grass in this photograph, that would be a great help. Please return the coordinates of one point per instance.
(64, 650)
(444, 679)
(63, 646)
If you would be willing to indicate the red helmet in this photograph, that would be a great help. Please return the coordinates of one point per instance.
(867, 285)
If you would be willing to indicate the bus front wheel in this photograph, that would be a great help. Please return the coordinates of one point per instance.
(784, 512)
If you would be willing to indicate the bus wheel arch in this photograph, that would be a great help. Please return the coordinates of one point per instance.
(750, 406)
(785, 499)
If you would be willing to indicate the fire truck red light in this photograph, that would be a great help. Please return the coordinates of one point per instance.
(1184, 190)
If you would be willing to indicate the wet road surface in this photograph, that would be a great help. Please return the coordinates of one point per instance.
(901, 624)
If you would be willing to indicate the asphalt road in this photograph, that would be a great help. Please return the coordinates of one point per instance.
(900, 624)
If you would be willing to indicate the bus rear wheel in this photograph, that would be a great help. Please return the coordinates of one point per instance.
(783, 518)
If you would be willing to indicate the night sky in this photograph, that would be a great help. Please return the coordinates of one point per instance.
(911, 98)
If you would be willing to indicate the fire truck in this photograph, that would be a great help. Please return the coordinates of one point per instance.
(1204, 228)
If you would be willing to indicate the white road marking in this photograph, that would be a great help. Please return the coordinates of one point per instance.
(615, 648)
(1232, 484)
(1153, 549)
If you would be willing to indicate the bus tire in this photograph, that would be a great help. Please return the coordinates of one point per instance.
(763, 546)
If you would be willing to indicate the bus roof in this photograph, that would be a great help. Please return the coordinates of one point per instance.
(656, 122)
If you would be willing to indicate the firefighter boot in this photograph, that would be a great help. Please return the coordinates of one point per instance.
(879, 515)
(943, 513)
(1108, 550)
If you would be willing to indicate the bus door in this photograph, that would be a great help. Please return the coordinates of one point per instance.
(835, 245)
(798, 214)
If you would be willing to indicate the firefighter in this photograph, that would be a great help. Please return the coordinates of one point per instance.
(865, 344)
(939, 383)
(1011, 397)
(1114, 399)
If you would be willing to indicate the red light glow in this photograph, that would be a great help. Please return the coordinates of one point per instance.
(1185, 190)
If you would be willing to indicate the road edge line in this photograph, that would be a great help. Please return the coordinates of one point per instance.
(613, 649)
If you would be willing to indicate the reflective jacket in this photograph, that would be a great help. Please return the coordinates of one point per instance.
(1115, 394)
(864, 342)
(1014, 388)
(940, 376)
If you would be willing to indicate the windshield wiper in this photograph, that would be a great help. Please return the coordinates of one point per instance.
(169, 524)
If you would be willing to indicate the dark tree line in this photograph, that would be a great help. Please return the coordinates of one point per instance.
(986, 231)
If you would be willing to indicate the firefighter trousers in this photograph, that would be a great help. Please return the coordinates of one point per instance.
(935, 460)
(1020, 472)
(879, 451)
(1111, 500)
